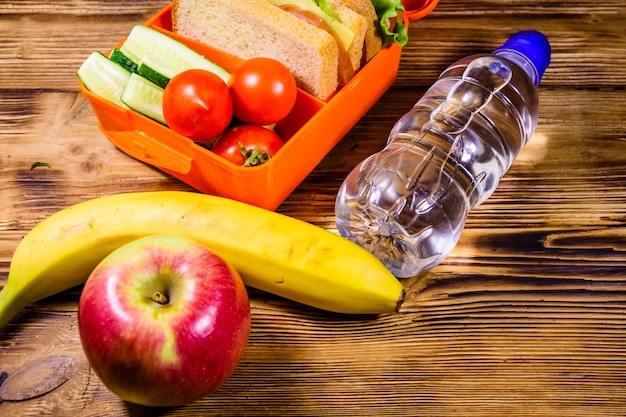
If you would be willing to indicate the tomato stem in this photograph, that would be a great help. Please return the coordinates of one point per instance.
(253, 157)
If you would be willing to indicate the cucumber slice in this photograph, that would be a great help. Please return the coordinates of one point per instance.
(119, 57)
(168, 56)
(104, 77)
(147, 70)
(144, 97)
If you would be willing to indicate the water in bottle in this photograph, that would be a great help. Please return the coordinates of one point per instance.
(407, 204)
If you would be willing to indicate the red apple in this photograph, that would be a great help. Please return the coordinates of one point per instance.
(163, 321)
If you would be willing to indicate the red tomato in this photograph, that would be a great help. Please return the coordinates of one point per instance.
(263, 90)
(247, 145)
(197, 104)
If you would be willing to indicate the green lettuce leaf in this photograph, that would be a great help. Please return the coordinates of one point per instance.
(386, 10)
(327, 8)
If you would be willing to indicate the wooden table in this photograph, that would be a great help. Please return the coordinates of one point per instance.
(527, 316)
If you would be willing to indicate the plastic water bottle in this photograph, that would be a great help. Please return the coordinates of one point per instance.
(407, 204)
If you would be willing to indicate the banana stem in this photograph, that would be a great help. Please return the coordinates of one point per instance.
(10, 304)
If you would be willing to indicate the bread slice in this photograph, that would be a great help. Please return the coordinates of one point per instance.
(373, 41)
(357, 23)
(252, 28)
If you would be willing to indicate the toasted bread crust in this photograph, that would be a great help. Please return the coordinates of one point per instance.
(357, 24)
(251, 28)
(373, 41)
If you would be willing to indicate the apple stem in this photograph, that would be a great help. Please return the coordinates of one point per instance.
(160, 298)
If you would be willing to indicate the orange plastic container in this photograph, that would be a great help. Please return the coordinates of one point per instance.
(311, 130)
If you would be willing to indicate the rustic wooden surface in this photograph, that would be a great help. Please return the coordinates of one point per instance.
(527, 317)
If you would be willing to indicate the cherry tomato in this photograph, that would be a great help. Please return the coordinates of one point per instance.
(197, 104)
(264, 91)
(247, 145)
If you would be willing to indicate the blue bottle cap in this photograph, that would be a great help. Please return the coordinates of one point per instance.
(534, 46)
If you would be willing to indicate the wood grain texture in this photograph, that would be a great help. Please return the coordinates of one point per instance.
(526, 317)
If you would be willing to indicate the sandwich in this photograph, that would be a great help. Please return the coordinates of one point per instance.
(323, 42)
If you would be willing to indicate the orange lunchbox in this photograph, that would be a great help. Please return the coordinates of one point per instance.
(311, 130)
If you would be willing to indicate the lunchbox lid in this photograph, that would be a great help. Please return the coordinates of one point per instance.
(417, 9)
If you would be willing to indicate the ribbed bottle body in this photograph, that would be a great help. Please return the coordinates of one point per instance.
(407, 204)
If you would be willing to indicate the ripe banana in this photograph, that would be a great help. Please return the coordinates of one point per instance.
(272, 252)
